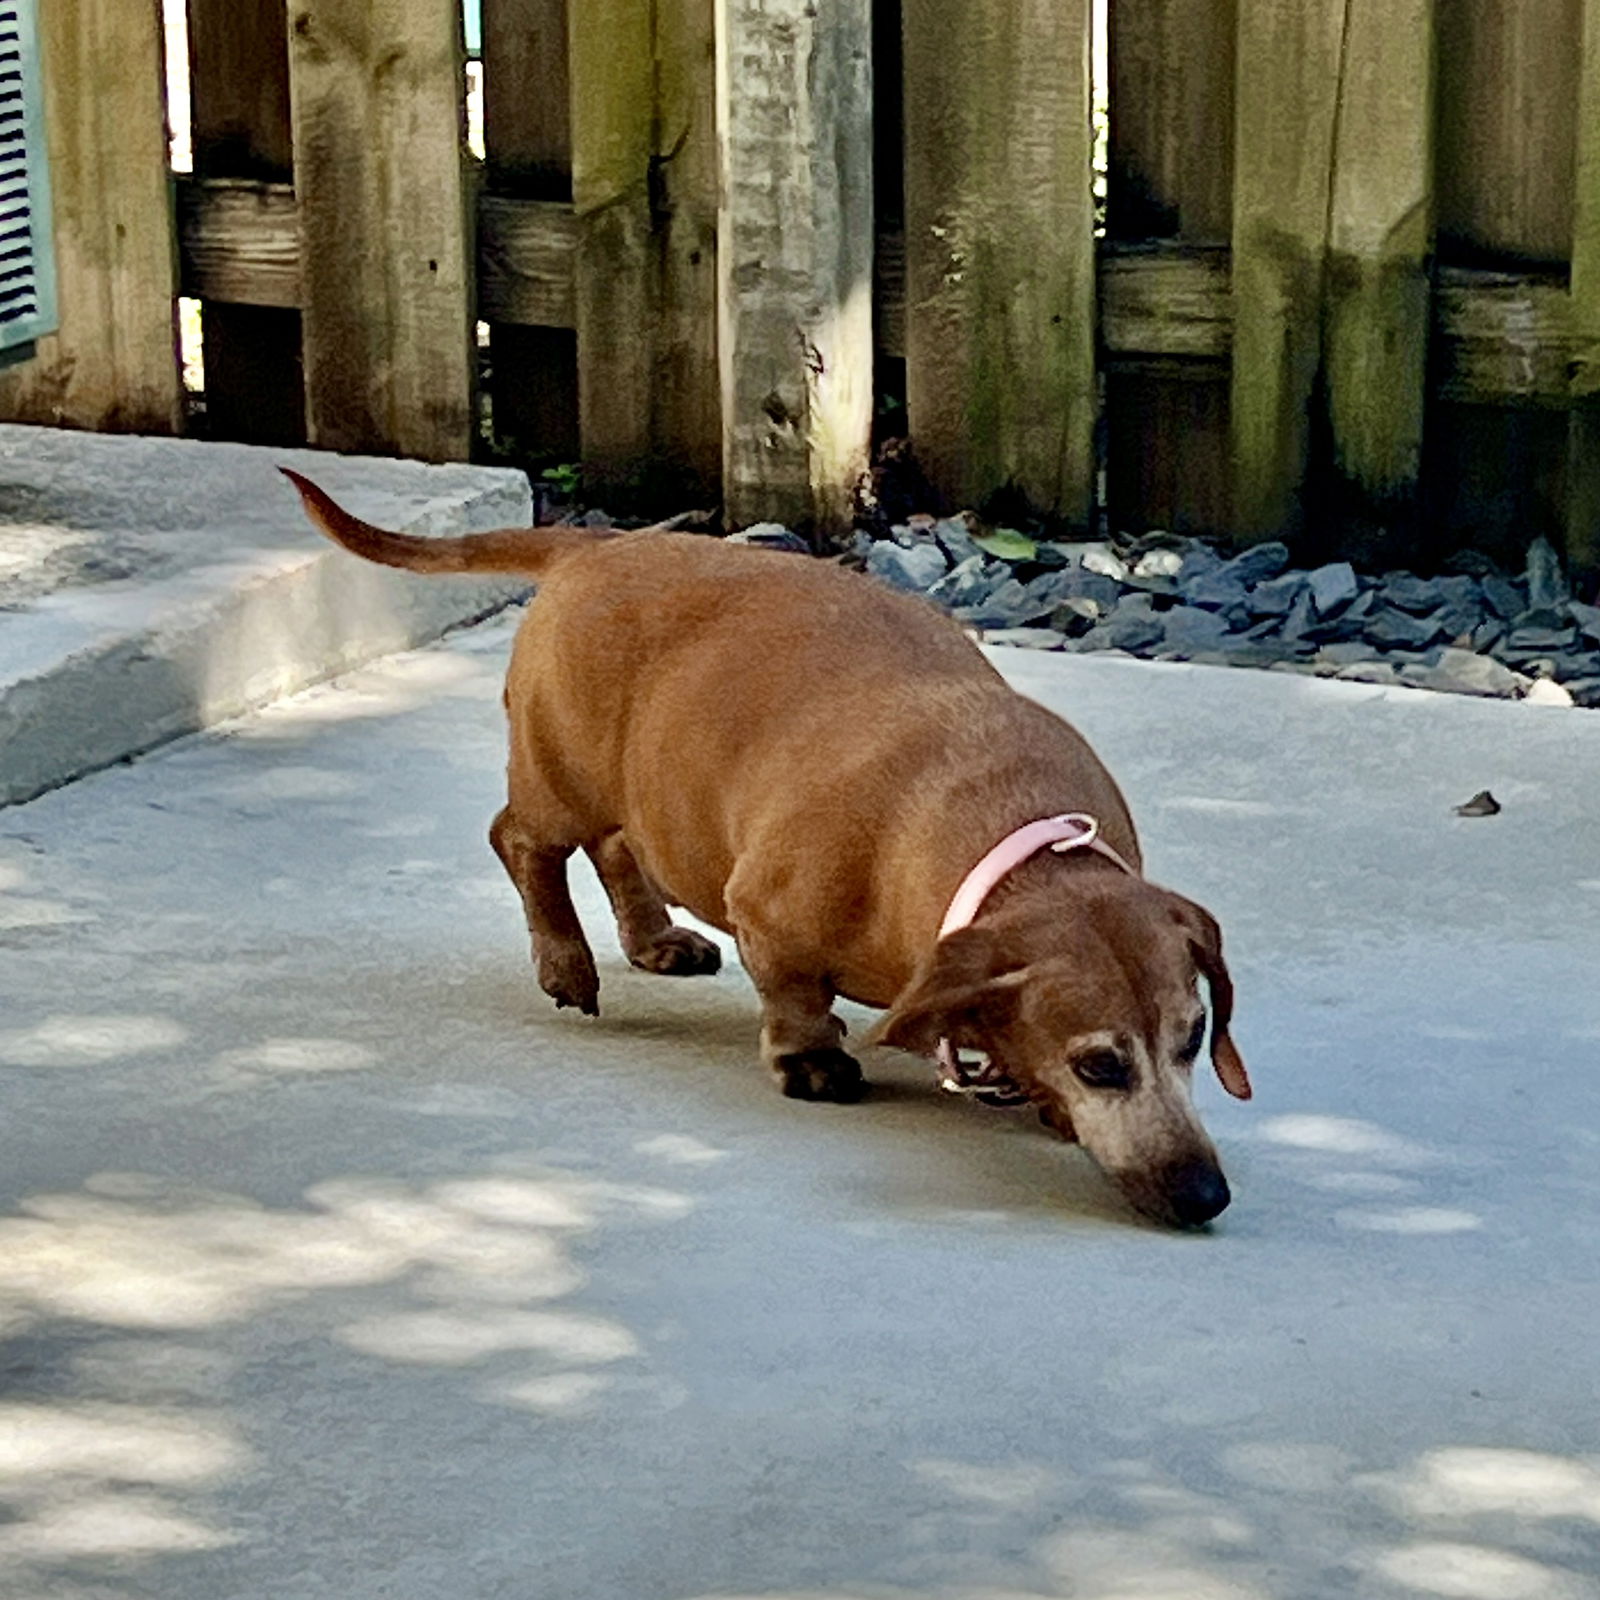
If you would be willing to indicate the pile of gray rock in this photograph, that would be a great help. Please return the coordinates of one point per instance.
(1474, 632)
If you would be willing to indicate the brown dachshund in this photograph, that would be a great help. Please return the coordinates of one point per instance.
(816, 765)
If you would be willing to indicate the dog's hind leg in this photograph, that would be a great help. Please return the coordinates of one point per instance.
(561, 954)
(650, 938)
(800, 1036)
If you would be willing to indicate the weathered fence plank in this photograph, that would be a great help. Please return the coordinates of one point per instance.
(1508, 104)
(794, 113)
(527, 278)
(1507, 135)
(1288, 92)
(1380, 223)
(1171, 179)
(1501, 339)
(1164, 302)
(113, 366)
(1000, 286)
(685, 196)
(1167, 463)
(1332, 223)
(239, 242)
(612, 64)
(377, 111)
(527, 128)
(527, 116)
(1583, 435)
(889, 290)
(239, 75)
(645, 196)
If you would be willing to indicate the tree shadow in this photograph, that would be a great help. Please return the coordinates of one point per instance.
(1274, 1520)
(132, 1428)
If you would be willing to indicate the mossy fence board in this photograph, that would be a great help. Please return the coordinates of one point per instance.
(111, 365)
(1000, 277)
(1347, 284)
(386, 267)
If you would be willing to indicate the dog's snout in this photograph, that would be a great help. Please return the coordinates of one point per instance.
(1196, 1192)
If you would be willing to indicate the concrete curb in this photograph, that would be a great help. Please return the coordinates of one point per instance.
(221, 597)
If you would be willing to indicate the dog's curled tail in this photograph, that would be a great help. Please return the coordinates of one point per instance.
(527, 551)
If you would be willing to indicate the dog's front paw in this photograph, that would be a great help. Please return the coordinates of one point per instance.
(679, 953)
(570, 979)
(820, 1075)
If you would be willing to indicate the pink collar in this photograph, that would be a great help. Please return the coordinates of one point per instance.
(1074, 830)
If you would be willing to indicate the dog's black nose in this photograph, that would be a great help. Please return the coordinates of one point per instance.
(1197, 1193)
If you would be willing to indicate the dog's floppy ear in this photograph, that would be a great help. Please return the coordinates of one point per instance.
(955, 985)
(1205, 940)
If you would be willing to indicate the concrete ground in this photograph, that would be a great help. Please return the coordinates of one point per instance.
(336, 1265)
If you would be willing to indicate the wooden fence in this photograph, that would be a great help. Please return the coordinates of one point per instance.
(1346, 285)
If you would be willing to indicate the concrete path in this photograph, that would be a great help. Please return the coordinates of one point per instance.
(334, 1265)
(150, 587)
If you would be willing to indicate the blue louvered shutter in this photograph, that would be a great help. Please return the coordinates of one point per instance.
(27, 257)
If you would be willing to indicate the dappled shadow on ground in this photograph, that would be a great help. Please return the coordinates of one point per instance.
(1376, 1181)
(1276, 1521)
(1243, 1503)
(128, 1408)
(403, 1314)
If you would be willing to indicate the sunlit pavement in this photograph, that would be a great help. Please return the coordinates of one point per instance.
(335, 1263)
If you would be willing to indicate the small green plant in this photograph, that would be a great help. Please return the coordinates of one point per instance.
(564, 479)
(1006, 543)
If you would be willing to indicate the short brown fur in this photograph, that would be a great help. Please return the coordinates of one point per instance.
(812, 763)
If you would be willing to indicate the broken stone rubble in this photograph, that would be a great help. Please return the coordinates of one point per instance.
(1471, 631)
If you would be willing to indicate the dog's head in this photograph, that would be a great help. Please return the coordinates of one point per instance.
(1093, 1007)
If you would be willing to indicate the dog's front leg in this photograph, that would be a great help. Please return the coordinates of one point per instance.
(561, 954)
(799, 1033)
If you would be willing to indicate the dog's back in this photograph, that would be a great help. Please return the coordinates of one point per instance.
(722, 703)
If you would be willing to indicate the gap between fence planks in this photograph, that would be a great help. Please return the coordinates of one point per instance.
(1583, 429)
(795, 238)
(1000, 282)
(527, 130)
(1508, 125)
(1171, 120)
(379, 148)
(240, 128)
(1507, 132)
(111, 367)
(1170, 156)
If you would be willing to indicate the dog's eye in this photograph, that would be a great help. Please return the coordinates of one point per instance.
(1197, 1037)
(1102, 1069)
